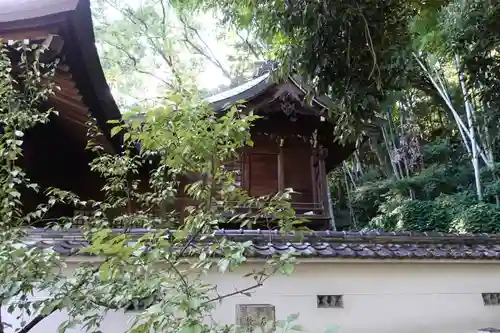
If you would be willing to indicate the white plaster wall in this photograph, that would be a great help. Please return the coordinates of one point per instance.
(381, 297)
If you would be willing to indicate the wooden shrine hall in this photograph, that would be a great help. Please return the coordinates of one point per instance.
(294, 143)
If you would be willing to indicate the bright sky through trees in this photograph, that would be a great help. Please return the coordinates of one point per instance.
(196, 43)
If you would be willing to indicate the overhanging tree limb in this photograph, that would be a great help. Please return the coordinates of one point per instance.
(35, 321)
(210, 56)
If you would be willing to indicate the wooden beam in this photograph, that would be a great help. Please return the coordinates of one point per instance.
(77, 106)
(64, 82)
(324, 186)
(70, 95)
(20, 35)
(63, 67)
(289, 89)
(313, 177)
(78, 131)
(73, 121)
(245, 165)
(66, 110)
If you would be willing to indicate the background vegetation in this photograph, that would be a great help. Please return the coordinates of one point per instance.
(416, 84)
(425, 73)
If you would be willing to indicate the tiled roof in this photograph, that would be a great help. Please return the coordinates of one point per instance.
(255, 87)
(27, 9)
(324, 244)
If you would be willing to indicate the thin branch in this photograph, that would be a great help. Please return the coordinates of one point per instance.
(35, 321)
(237, 292)
(168, 59)
(163, 17)
(211, 56)
(464, 131)
(181, 276)
(134, 62)
(388, 147)
(470, 119)
(128, 13)
(249, 45)
(346, 167)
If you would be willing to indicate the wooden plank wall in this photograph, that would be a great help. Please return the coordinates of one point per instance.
(269, 167)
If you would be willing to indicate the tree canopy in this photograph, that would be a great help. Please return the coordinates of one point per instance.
(354, 51)
(160, 272)
(428, 69)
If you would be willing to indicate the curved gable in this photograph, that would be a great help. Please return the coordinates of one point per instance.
(67, 25)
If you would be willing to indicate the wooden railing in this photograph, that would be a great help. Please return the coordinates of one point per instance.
(308, 210)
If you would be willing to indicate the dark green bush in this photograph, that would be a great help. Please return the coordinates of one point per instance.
(448, 213)
(443, 193)
(365, 200)
(481, 217)
(414, 215)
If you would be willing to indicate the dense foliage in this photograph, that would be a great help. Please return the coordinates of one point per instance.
(425, 72)
(159, 274)
(430, 70)
(433, 166)
(356, 51)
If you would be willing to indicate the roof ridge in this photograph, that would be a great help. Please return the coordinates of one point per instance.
(276, 235)
(322, 244)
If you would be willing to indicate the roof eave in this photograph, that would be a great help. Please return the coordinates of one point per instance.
(72, 19)
(92, 81)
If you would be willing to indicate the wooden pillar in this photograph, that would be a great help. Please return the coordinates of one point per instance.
(281, 169)
(323, 186)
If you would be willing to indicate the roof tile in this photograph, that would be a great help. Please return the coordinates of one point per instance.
(360, 245)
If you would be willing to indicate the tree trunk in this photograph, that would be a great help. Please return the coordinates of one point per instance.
(348, 193)
(374, 146)
(389, 148)
(470, 120)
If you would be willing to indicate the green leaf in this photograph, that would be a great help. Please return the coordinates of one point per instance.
(104, 271)
(292, 317)
(115, 130)
(181, 234)
(51, 307)
(176, 98)
(299, 328)
(287, 269)
(223, 265)
(332, 329)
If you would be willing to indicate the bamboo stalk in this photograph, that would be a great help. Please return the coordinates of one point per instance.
(463, 129)
(348, 192)
(394, 167)
(469, 110)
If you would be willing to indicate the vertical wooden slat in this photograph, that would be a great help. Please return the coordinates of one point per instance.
(263, 173)
(324, 188)
(281, 170)
(298, 173)
(314, 179)
(245, 170)
(236, 166)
